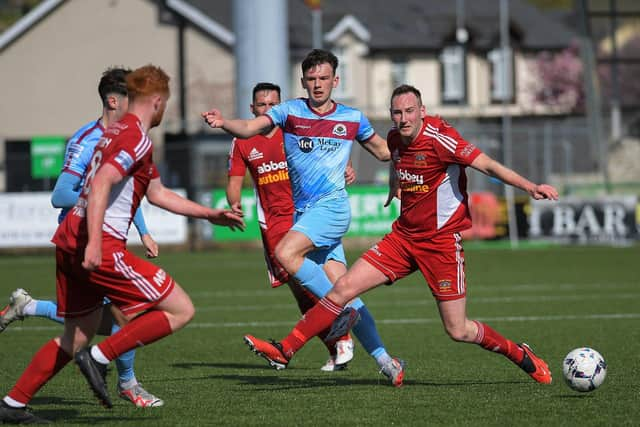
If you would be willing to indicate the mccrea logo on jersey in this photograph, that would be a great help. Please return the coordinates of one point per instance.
(305, 144)
(340, 130)
(125, 160)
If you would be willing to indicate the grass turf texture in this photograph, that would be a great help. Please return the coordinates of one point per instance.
(555, 299)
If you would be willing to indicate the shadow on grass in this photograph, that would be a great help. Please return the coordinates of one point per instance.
(284, 380)
(72, 416)
(574, 396)
(196, 365)
(341, 379)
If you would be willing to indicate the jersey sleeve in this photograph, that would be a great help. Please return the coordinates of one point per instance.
(236, 166)
(155, 173)
(131, 149)
(278, 114)
(79, 152)
(451, 147)
(365, 130)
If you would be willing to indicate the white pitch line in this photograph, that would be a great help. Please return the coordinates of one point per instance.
(428, 300)
(416, 321)
(421, 288)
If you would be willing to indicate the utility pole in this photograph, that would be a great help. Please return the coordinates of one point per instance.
(261, 56)
(316, 22)
(507, 150)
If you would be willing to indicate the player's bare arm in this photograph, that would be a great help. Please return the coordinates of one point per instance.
(100, 187)
(377, 146)
(234, 192)
(238, 127)
(161, 196)
(394, 185)
(491, 167)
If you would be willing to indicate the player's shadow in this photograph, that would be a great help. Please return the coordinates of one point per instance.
(575, 396)
(340, 379)
(66, 415)
(284, 382)
(197, 365)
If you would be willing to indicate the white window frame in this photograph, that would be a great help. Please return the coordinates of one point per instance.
(454, 74)
(502, 78)
(345, 72)
(398, 72)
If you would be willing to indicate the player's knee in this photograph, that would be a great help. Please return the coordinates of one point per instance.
(280, 252)
(457, 332)
(341, 292)
(285, 254)
(186, 314)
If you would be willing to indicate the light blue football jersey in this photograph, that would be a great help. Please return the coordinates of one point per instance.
(318, 147)
(79, 151)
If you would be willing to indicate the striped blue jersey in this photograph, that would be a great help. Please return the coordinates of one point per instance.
(79, 151)
(318, 147)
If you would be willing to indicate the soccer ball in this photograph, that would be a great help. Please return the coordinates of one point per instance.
(584, 369)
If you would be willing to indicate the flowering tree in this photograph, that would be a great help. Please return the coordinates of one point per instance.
(628, 82)
(560, 79)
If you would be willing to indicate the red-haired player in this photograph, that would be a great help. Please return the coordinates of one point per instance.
(92, 261)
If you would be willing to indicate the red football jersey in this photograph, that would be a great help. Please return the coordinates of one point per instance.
(127, 147)
(431, 172)
(265, 159)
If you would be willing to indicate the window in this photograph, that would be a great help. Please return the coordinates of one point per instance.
(398, 72)
(501, 75)
(454, 85)
(345, 85)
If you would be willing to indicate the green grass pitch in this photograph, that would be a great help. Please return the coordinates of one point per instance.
(555, 299)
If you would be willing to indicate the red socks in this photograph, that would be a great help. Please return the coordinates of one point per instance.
(45, 364)
(316, 320)
(491, 340)
(142, 330)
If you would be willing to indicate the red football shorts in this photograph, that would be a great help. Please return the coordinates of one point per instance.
(271, 236)
(440, 259)
(131, 283)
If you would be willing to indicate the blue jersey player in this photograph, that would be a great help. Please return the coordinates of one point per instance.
(79, 150)
(318, 135)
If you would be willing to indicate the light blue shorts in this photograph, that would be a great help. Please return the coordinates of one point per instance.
(325, 223)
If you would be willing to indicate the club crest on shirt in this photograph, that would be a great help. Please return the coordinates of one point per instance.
(420, 159)
(340, 130)
(444, 285)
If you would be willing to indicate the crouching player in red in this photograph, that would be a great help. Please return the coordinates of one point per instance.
(428, 161)
(264, 157)
(92, 261)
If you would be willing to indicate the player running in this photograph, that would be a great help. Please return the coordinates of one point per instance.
(263, 156)
(92, 261)
(428, 160)
(113, 94)
(318, 136)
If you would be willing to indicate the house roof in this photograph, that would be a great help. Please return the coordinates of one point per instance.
(429, 24)
(412, 24)
(384, 25)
